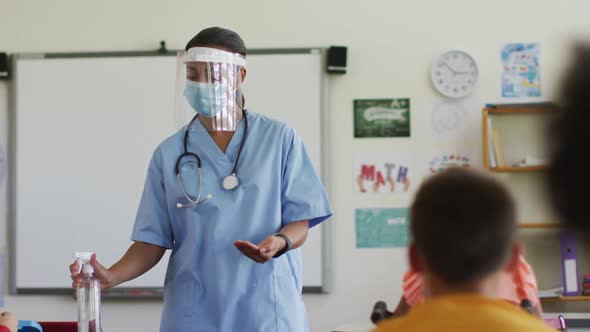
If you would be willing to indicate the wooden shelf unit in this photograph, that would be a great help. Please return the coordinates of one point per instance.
(503, 112)
(540, 108)
(566, 298)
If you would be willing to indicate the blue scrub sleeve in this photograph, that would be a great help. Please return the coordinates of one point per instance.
(152, 223)
(303, 195)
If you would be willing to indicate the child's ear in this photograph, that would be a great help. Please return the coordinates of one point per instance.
(514, 260)
(414, 259)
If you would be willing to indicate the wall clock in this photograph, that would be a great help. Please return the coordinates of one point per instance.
(454, 74)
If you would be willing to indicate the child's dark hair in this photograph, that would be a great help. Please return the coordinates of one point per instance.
(216, 36)
(463, 224)
(568, 174)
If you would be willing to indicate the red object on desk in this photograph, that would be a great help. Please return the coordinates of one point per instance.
(59, 326)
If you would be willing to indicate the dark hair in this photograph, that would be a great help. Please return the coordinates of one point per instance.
(463, 225)
(568, 175)
(216, 36)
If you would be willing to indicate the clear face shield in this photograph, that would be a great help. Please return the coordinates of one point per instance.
(209, 82)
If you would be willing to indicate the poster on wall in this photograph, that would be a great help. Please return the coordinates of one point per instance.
(382, 228)
(448, 119)
(382, 173)
(440, 162)
(441, 125)
(521, 70)
(382, 117)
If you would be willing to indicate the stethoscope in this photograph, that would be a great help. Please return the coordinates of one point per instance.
(230, 182)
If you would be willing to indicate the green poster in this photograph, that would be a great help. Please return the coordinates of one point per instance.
(382, 117)
(382, 228)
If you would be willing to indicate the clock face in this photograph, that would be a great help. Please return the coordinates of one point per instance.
(454, 74)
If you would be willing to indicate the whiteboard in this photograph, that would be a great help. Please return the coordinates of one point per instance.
(85, 129)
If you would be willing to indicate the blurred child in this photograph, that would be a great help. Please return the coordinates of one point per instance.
(516, 287)
(463, 227)
(8, 322)
(568, 175)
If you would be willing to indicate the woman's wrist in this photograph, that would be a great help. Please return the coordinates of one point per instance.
(286, 247)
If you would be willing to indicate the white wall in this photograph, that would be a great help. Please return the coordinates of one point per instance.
(391, 46)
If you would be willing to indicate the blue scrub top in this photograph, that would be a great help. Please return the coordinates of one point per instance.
(210, 285)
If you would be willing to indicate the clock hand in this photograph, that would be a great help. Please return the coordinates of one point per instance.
(446, 64)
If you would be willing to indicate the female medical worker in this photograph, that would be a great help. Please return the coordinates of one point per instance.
(231, 190)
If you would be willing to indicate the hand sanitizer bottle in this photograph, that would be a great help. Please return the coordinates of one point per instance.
(88, 296)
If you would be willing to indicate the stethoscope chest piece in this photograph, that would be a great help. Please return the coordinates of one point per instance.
(230, 182)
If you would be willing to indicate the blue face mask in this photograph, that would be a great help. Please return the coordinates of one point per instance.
(206, 98)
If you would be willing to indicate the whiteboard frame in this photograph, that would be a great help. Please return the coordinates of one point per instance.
(156, 292)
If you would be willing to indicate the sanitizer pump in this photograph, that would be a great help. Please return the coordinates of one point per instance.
(88, 295)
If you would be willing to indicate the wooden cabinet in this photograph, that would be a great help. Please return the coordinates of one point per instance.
(514, 150)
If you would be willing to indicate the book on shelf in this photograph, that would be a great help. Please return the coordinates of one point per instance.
(491, 155)
(569, 263)
(498, 148)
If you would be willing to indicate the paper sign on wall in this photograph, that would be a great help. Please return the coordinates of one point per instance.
(443, 161)
(382, 228)
(521, 70)
(447, 118)
(382, 174)
(382, 117)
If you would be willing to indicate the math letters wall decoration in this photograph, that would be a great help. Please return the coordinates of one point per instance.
(382, 173)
